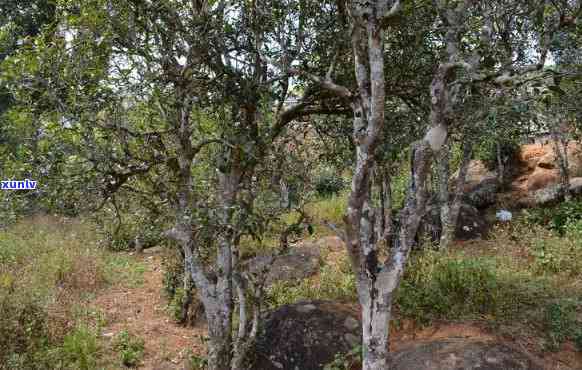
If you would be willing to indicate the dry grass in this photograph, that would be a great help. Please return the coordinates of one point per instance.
(49, 268)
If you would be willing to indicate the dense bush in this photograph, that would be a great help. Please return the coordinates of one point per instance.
(562, 324)
(328, 182)
(25, 329)
(560, 218)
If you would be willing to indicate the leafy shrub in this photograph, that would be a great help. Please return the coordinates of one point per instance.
(130, 348)
(330, 209)
(559, 218)
(46, 266)
(561, 323)
(555, 255)
(197, 362)
(24, 328)
(119, 232)
(328, 182)
(486, 151)
(80, 348)
(346, 361)
(573, 230)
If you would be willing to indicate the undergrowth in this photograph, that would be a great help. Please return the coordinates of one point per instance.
(49, 268)
(526, 276)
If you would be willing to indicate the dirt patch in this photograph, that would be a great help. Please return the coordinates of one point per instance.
(141, 310)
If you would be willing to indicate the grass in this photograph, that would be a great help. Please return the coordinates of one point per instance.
(49, 268)
(130, 348)
(331, 209)
(525, 279)
(335, 281)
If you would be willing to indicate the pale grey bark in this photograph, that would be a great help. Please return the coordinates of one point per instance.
(285, 201)
(386, 221)
(449, 223)
(443, 169)
(138, 244)
(500, 166)
(560, 147)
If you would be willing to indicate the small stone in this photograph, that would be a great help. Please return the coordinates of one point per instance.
(305, 308)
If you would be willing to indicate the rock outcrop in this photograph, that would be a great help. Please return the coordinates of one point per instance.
(533, 178)
(297, 264)
(482, 194)
(306, 335)
(470, 225)
(466, 354)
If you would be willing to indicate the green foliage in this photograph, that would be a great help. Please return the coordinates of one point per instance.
(557, 255)
(24, 327)
(81, 348)
(335, 282)
(328, 182)
(48, 268)
(346, 361)
(440, 287)
(399, 184)
(330, 209)
(130, 348)
(486, 151)
(197, 362)
(561, 323)
(121, 267)
(563, 216)
(173, 282)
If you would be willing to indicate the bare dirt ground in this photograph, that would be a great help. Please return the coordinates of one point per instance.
(141, 310)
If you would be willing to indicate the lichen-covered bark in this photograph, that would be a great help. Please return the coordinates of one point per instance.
(376, 279)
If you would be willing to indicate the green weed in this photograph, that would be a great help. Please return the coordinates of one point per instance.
(130, 348)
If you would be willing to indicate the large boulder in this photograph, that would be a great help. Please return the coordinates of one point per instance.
(470, 225)
(551, 193)
(466, 354)
(306, 335)
(576, 185)
(529, 154)
(477, 173)
(549, 160)
(482, 194)
(297, 264)
(542, 177)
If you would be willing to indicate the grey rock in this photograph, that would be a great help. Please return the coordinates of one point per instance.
(298, 264)
(551, 193)
(307, 339)
(482, 194)
(467, 354)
